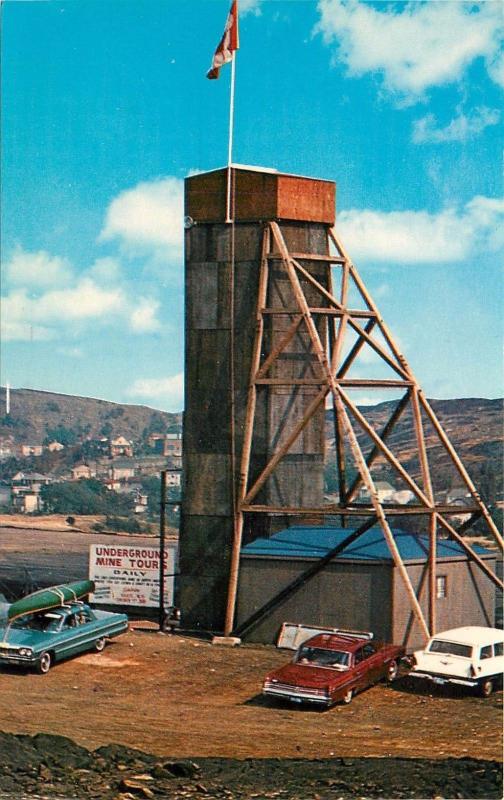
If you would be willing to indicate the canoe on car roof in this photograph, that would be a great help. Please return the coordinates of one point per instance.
(52, 597)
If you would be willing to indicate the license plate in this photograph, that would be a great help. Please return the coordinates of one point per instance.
(440, 681)
(295, 699)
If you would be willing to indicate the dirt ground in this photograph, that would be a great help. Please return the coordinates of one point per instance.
(182, 699)
(186, 697)
(177, 697)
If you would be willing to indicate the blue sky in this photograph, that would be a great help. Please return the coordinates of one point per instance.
(106, 109)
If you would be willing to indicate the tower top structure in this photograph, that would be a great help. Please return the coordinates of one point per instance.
(259, 193)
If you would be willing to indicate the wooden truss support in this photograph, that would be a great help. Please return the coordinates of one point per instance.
(327, 340)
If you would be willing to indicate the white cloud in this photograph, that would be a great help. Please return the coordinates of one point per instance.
(143, 318)
(38, 269)
(249, 7)
(105, 270)
(460, 129)
(56, 308)
(148, 218)
(496, 69)
(86, 300)
(168, 392)
(97, 297)
(415, 48)
(420, 237)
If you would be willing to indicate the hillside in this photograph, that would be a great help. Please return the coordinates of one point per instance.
(474, 427)
(37, 417)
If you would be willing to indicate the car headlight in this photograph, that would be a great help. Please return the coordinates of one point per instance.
(27, 652)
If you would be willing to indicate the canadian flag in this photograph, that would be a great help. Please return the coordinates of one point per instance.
(228, 44)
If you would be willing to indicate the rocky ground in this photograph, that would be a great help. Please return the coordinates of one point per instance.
(54, 766)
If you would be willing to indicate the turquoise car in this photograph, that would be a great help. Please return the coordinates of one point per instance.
(54, 624)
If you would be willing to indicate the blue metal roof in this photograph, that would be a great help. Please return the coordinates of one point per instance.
(316, 542)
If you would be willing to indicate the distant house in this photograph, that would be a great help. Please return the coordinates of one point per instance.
(121, 471)
(121, 447)
(82, 472)
(403, 496)
(384, 490)
(155, 441)
(166, 444)
(55, 447)
(25, 491)
(173, 445)
(28, 450)
(459, 495)
(112, 484)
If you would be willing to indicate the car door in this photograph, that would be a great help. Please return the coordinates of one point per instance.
(75, 634)
(360, 669)
(374, 660)
(367, 665)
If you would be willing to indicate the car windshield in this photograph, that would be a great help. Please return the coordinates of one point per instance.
(320, 657)
(450, 648)
(39, 622)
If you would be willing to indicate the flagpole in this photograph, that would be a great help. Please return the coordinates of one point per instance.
(230, 143)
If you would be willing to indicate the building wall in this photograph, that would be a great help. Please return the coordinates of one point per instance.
(344, 594)
(363, 596)
(470, 600)
(207, 521)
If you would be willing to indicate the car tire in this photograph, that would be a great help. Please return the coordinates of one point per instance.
(100, 644)
(486, 687)
(44, 663)
(392, 671)
(347, 697)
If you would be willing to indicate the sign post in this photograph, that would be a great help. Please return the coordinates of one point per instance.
(162, 531)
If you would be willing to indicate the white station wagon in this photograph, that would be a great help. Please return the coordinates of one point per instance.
(470, 656)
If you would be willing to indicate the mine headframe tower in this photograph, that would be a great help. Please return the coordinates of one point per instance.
(278, 324)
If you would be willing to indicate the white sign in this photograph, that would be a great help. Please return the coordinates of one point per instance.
(128, 575)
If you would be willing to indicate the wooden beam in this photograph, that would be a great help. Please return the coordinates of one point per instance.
(247, 441)
(350, 382)
(309, 257)
(336, 340)
(327, 311)
(461, 469)
(427, 484)
(353, 510)
(380, 513)
(279, 347)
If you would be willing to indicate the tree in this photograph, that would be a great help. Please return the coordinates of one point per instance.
(84, 497)
(61, 434)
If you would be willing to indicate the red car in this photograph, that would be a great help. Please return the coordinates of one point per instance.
(330, 667)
